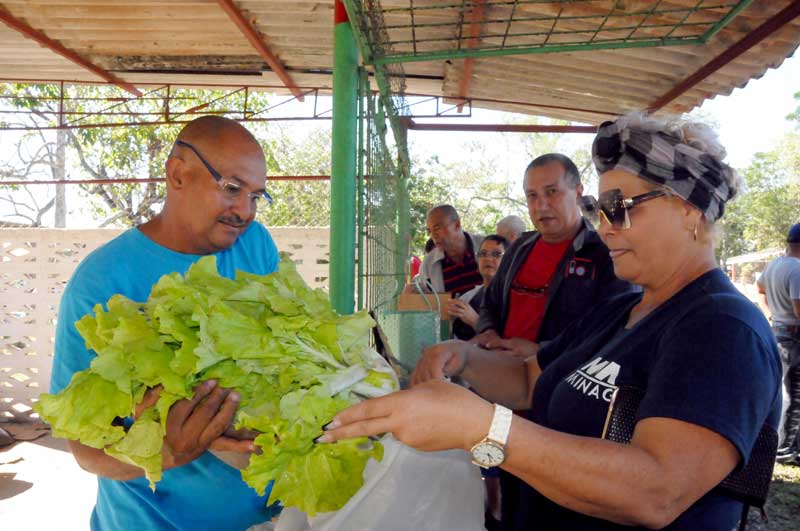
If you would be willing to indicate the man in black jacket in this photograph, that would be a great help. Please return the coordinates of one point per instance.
(551, 276)
(548, 277)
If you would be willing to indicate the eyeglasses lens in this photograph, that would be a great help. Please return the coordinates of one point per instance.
(486, 254)
(609, 208)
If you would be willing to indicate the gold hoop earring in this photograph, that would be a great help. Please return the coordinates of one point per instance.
(695, 233)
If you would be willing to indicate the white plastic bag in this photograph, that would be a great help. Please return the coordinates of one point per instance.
(408, 489)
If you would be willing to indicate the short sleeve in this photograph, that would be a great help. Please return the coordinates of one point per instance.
(71, 354)
(794, 283)
(715, 370)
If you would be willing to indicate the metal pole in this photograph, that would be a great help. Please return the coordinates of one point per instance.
(363, 92)
(403, 207)
(343, 163)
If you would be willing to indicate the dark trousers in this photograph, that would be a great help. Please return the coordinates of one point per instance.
(509, 500)
(789, 347)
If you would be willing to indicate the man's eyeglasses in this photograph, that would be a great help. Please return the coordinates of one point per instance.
(231, 189)
(612, 207)
(493, 254)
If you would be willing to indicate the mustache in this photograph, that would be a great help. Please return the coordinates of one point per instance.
(236, 221)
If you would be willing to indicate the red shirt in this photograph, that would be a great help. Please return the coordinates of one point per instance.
(530, 289)
(460, 277)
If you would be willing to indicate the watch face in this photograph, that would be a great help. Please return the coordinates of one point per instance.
(487, 454)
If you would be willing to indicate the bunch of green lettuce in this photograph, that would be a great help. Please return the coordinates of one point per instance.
(294, 361)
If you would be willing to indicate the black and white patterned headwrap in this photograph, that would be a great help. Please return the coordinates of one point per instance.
(665, 160)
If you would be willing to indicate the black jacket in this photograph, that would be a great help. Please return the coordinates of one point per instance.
(584, 277)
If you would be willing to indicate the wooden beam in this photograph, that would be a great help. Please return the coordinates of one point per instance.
(766, 29)
(258, 43)
(475, 21)
(503, 128)
(18, 25)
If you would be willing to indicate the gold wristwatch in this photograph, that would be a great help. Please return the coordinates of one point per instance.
(491, 450)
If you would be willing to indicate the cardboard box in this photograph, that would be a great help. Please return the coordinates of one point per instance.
(417, 302)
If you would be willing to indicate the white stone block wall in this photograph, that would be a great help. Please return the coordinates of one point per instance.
(35, 265)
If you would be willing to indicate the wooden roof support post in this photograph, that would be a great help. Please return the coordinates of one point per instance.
(476, 18)
(18, 25)
(258, 43)
(770, 26)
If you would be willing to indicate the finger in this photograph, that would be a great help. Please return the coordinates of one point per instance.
(433, 370)
(498, 343)
(150, 399)
(228, 444)
(362, 428)
(181, 409)
(201, 415)
(369, 409)
(216, 415)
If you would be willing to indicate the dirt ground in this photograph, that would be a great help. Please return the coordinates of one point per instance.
(41, 486)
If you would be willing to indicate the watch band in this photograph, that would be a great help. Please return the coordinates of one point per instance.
(501, 424)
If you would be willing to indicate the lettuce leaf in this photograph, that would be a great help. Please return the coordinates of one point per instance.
(294, 361)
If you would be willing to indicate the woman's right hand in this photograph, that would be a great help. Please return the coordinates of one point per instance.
(442, 359)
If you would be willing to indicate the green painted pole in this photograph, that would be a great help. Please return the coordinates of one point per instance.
(363, 91)
(343, 163)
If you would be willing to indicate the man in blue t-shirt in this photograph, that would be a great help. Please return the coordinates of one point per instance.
(215, 177)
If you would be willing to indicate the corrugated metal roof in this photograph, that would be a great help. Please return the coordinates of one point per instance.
(179, 41)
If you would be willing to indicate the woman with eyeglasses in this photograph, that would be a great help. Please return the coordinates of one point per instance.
(700, 352)
(465, 308)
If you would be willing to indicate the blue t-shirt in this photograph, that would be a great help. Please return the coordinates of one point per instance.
(707, 356)
(206, 493)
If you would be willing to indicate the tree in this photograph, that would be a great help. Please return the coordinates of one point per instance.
(298, 203)
(760, 218)
(103, 153)
(30, 160)
(481, 186)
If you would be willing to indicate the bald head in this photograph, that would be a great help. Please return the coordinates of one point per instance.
(216, 175)
(511, 227)
(216, 132)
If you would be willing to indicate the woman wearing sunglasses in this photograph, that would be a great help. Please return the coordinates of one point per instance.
(702, 354)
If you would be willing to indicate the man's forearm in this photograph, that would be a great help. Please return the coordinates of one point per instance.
(497, 377)
(99, 463)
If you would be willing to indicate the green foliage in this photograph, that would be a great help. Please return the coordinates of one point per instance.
(481, 186)
(106, 153)
(298, 203)
(795, 116)
(293, 360)
(768, 204)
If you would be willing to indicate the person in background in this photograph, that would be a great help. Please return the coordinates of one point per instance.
(548, 278)
(451, 264)
(464, 309)
(702, 354)
(510, 228)
(215, 179)
(779, 284)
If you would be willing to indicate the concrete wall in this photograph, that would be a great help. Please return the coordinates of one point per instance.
(35, 265)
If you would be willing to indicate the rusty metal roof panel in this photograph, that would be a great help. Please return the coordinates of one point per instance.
(181, 41)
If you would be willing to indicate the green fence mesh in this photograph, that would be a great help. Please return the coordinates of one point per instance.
(385, 237)
(425, 30)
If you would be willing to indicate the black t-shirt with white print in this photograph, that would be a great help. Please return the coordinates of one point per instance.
(707, 356)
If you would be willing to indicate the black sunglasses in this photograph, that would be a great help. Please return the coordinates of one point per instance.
(613, 207)
(231, 189)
